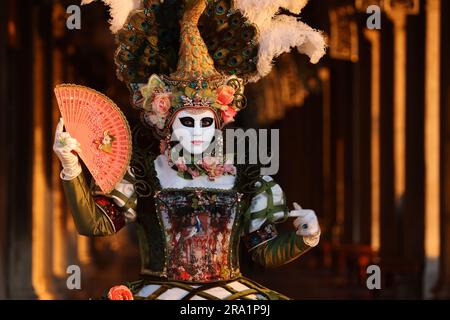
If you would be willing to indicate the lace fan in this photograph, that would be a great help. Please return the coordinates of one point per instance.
(102, 130)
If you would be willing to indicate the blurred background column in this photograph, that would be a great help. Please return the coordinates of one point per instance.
(443, 286)
(432, 143)
(3, 157)
(17, 149)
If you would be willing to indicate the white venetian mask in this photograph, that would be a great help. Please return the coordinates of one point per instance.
(194, 129)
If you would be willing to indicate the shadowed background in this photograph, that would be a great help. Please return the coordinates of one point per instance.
(364, 141)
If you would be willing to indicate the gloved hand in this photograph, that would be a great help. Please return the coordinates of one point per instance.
(65, 147)
(306, 225)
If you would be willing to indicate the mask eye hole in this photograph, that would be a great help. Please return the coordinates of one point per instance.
(207, 122)
(187, 122)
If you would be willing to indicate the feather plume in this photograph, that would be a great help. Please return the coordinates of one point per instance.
(261, 12)
(284, 34)
(119, 11)
(281, 33)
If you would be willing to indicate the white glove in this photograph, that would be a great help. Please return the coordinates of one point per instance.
(306, 225)
(64, 147)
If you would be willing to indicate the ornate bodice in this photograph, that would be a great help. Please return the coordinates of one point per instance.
(193, 235)
(200, 232)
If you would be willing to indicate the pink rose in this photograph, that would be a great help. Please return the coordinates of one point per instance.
(181, 164)
(215, 172)
(209, 163)
(120, 293)
(228, 114)
(225, 95)
(219, 170)
(161, 103)
(230, 169)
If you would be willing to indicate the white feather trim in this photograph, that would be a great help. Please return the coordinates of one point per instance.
(285, 33)
(119, 11)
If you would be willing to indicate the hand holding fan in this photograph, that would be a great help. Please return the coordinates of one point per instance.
(101, 129)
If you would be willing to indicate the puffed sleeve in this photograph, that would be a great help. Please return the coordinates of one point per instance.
(98, 214)
(268, 208)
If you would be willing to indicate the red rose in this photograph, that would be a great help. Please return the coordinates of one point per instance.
(120, 293)
(225, 95)
(228, 114)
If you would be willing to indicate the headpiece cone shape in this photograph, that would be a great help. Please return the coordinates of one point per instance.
(194, 61)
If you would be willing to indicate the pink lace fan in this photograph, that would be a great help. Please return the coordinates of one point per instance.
(102, 130)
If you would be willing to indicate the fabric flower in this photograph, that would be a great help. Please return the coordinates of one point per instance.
(120, 293)
(228, 114)
(225, 95)
(155, 120)
(209, 163)
(193, 172)
(229, 168)
(218, 171)
(181, 164)
(161, 104)
(213, 167)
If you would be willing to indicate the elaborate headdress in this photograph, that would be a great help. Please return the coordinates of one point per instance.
(197, 54)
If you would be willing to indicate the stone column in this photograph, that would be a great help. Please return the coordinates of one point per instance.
(443, 288)
(432, 143)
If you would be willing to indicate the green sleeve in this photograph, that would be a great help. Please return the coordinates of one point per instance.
(89, 218)
(280, 250)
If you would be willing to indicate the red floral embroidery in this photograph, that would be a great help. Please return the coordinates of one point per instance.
(102, 201)
(185, 276)
(112, 210)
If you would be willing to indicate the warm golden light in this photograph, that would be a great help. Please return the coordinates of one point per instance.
(399, 104)
(374, 38)
(41, 270)
(59, 232)
(324, 75)
(432, 129)
(432, 146)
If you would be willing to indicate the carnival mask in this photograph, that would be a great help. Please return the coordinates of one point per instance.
(194, 129)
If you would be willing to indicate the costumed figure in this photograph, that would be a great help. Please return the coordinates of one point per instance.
(186, 63)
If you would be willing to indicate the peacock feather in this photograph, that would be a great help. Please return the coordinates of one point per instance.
(149, 42)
